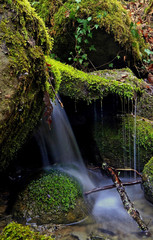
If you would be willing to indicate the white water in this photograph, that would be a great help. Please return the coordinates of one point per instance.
(134, 136)
(59, 146)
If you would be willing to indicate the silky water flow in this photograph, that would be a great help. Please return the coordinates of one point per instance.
(58, 147)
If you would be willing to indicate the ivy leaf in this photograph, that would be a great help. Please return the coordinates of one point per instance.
(111, 65)
(80, 60)
(90, 35)
(79, 39)
(118, 57)
(89, 19)
(86, 41)
(92, 48)
(84, 56)
(96, 26)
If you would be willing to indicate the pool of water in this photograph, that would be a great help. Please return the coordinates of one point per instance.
(108, 218)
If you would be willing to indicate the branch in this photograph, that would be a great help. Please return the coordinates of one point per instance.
(128, 205)
(111, 186)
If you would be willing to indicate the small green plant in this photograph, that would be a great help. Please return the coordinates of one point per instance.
(14, 231)
(82, 34)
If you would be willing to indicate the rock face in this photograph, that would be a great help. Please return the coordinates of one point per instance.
(52, 198)
(23, 42)
(115, 140)
(148, 180)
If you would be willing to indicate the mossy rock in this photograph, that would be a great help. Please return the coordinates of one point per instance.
(53, 198)
(148, 180)
(145, 105)
(115, 141)
(111, 32)
(16, 231)
(89, 87)
(23, 42)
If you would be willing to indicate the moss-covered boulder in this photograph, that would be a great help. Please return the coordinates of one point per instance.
(79, 85)
(145, 104)
(148, 180)
(52, 198)
(118, 138)
(23, 42)
(16, 231)
(95, 30)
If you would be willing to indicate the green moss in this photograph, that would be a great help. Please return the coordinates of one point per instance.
(14, 231)
(148, 169)
(52, 192)
(46, 9)
(115, 140)
(148, 180)
(145, 106)
(52, 197)
(25, 38)
(88, 87)
(109, 15)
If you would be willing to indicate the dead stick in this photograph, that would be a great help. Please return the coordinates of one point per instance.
(111, 186)
(128, 205)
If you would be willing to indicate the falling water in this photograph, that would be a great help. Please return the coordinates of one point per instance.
(134, 136)
(59, 146)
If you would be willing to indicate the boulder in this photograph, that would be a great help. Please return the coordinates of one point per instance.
(148, 180)
(95, 34)
(23, 42)
(52, 198)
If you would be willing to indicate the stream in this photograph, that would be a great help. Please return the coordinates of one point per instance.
(107, 218)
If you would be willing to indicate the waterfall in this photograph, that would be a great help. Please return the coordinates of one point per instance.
(59, 146)
(134, 136)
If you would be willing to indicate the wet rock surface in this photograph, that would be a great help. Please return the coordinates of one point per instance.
(148, 180)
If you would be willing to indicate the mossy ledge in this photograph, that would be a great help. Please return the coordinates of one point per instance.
(16, 231)
(148, 180)
(89, 87)
(23, 42)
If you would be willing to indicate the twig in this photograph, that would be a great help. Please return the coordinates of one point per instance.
(128, 205)
(111, 186)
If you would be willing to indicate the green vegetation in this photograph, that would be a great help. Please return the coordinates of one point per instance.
(115, 140)
(52, 192)
(148, 180)
(89, 87)
(14, 231)
(53, 197)
(25, 40)
(108, 15)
